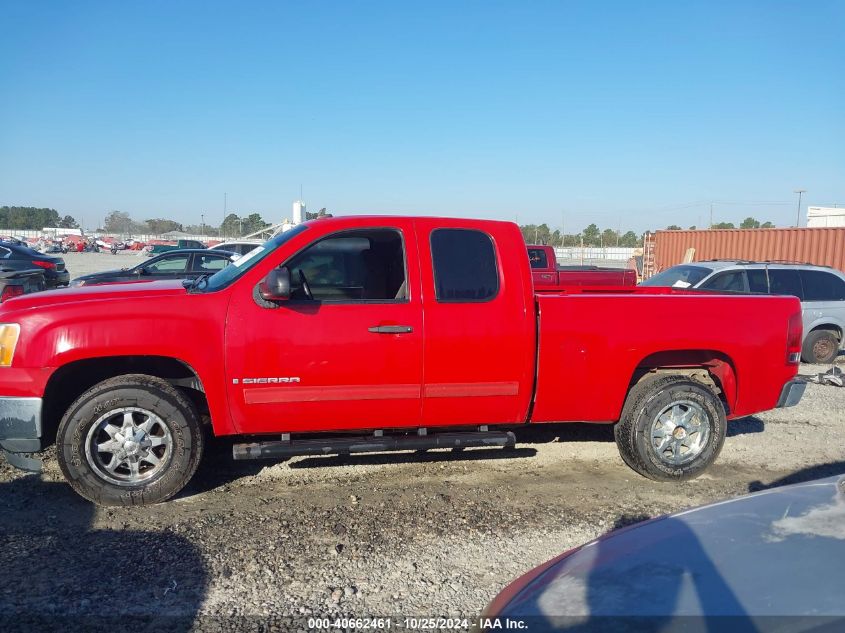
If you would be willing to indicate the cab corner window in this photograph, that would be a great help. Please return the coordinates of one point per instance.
(464, 262)
(364, 265)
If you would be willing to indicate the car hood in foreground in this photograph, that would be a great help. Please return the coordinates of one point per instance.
(125, 291)
(775, 553)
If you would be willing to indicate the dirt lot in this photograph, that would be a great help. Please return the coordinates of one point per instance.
(85, 263)
(372, 535)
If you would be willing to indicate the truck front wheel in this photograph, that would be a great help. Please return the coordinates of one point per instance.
(672, 428)
(130, 440)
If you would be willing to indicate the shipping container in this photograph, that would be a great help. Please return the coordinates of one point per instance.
(821, 246)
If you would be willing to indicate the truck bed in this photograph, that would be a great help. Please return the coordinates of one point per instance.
(593, 340)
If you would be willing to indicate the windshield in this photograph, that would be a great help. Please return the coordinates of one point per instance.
(679, 277)
(237, 268)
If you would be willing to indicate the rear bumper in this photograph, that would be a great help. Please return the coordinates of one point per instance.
(20, 431)
(791, 393)
(57, 279)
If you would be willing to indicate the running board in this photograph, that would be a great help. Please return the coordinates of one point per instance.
(372, 444)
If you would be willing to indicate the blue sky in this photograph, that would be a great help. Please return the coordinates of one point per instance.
(627, 114)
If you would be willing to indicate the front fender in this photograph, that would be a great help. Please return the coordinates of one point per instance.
(186, 328)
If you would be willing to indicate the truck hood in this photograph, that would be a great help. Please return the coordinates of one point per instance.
(126, 291)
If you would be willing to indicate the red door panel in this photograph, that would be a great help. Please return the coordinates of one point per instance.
(320, 366)
(478, 356)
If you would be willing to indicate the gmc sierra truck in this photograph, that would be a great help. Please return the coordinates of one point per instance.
(357, 334)
(547, 275)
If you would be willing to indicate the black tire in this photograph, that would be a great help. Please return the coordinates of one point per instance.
(175, 428)
(666, 393)
(820, 347)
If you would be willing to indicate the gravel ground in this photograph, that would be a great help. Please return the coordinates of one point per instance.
(85, 263)
(430, 534)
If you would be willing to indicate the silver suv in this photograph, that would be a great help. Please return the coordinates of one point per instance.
(821, 290)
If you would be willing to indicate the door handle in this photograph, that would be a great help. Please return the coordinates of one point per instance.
(391, 329)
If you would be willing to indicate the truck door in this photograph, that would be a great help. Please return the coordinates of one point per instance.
(345, 351)
(480, 341)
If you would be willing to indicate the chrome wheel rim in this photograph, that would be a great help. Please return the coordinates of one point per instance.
(129, 446)
(680, 432)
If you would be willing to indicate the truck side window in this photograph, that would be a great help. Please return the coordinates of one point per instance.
(822, 286)
(758, 281)
(785, 282)
(537, 257)
(464, 262)
(365, 265)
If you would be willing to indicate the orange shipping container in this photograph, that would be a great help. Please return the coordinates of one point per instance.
(822, 246)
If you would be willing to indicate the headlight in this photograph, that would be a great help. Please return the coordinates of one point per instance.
(9, 333)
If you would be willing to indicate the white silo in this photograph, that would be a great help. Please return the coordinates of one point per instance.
(298, 211)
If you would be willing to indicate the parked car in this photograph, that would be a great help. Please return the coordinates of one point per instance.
(821, 290)
(16, 257)
(239, 247)
(158, 249)
(14, 283)
(378, 334)
(182, 264)
(548, 275)
(769, 561)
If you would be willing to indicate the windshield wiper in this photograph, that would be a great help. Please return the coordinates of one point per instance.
(192, 285)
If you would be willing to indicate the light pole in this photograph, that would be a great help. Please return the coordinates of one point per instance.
(798, 217)
(202, 221)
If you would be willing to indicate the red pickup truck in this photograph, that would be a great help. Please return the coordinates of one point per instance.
(362, 334)
(547, 275)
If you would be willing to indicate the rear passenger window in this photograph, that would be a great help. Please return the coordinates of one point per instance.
(537, 257)
(733, 282)
(758, 280)
(822, 286)
(785, 282)
(464, 263)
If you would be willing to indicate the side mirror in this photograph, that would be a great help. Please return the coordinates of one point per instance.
(142, 271)
(276, 285)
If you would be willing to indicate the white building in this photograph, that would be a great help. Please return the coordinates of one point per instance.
(298, 211)
(825, 216)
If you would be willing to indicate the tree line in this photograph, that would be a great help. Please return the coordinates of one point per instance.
(120, 222)
(590, 236)
(747, 223)
(34, 218)
(233, 225)
(594, 236)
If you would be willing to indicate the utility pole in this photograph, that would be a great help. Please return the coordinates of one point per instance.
(563, 228)
(711, 216)
(798, 216)
(202, 221)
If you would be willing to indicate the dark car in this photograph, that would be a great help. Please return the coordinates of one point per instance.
(20, 282)
(181, 264)
(16, 257)
(770, 561)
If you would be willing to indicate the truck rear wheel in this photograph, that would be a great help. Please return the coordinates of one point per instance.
(820, 347)
(130, 440)
(672, 428)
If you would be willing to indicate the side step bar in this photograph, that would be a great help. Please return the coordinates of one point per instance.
(371, 444)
